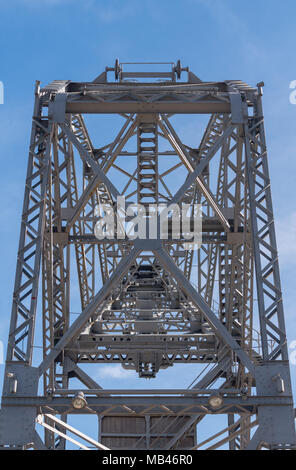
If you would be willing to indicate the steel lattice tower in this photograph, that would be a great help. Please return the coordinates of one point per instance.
(158, 303)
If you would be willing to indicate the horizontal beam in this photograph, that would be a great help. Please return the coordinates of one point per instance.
(186, 391)
(176, 404)
(177, 107)
(92, 239)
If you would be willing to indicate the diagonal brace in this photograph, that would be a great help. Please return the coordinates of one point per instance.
(178, 146)
(90, 161)
(89, 310)
(75, 431)
(196, 298)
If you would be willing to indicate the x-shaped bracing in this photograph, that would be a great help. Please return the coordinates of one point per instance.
(122, 269)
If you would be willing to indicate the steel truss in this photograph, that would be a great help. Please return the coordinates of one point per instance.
(148, 304)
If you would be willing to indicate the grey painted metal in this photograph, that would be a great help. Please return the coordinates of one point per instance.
(75, 431)
(148, 304)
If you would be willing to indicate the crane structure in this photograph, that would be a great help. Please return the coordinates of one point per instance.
(147, 302)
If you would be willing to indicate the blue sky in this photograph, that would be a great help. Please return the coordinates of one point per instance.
(217, 39)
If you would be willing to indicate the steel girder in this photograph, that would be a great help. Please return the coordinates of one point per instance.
(148, 304)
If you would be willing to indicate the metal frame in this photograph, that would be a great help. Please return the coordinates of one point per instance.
(158, 302)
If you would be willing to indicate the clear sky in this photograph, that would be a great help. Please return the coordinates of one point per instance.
(218, 39)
